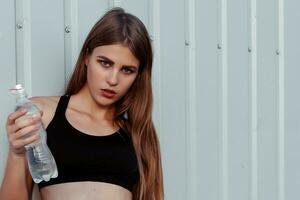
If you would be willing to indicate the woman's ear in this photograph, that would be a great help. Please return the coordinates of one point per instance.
(87, 57)
(86, 61)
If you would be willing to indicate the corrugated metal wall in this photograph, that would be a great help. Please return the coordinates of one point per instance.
(226, 74)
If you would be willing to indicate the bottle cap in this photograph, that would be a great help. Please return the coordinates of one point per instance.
(17, 88)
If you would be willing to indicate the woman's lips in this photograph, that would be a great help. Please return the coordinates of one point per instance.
(108, 93)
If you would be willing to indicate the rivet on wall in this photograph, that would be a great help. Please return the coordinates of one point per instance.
(187, 43)
(19, 25)
(219, 46)
(67, 29)
(151, 38)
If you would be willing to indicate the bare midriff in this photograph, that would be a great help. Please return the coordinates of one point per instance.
(85, 191)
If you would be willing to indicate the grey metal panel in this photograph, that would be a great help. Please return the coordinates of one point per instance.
(238, 100)
(208, 95)
(48, 70)
(173, 100)
(292, 70)
(8, 72)
(88, 13)
(267, 42)
(140, 8)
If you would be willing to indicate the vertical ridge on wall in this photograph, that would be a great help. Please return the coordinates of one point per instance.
(154, 22)
(281, 103)
(110, 3)
(23, 44)
(15, 39)
(191, 115)
(117, 3)
(253, 124)
(71, 36)
(224, 100)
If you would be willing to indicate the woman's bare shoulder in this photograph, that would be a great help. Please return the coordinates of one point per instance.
(45, 102)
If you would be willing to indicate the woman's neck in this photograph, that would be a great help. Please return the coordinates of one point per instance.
(84, 102)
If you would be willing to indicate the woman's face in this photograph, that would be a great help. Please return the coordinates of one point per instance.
(110, 67)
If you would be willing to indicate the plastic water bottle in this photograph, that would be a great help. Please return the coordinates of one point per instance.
(41, 162)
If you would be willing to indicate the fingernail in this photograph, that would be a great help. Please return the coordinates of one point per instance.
(23, 110)
(35, 116)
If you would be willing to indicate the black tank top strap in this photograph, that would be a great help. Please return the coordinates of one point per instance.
(62, 105)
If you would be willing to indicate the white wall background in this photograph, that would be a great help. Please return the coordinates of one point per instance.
(225, 85)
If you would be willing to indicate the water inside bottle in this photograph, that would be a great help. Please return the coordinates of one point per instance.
(40, 166)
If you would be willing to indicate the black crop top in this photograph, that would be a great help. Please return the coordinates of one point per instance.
(83, 157)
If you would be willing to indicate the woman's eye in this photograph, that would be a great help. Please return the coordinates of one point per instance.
(104, 63)
(127, 70)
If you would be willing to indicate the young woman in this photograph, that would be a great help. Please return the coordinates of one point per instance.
(100, 132)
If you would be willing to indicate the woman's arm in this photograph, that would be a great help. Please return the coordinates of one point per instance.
(17, 183)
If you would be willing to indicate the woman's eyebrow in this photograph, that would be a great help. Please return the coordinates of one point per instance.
(107, 59)
(112, 62)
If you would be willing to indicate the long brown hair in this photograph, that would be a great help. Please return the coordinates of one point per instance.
(118, 27)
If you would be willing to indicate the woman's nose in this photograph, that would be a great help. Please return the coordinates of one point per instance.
(112, 78)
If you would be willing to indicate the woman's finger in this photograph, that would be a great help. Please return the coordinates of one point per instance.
(26, 132)
(25, 121)
(18, 144)
(13, 116)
